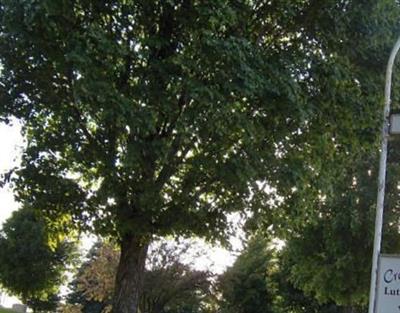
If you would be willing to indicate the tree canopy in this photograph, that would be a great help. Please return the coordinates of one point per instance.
(147, 118)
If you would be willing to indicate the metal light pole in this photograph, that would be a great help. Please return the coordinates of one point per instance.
(382, 179)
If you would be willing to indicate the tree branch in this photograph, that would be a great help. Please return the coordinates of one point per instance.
(80, 118)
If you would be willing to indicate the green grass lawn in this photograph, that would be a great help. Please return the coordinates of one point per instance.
(6, 311)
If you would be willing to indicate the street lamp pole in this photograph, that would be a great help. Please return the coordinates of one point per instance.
(382, 179)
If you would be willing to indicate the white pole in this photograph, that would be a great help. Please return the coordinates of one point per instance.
(382, 178)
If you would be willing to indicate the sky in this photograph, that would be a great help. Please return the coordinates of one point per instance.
(11, 141)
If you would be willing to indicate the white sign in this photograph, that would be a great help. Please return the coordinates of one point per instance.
(388, 291)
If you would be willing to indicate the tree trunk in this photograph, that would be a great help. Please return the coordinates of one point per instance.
(129, 279)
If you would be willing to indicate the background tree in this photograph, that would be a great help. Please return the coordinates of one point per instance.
(326, 184)
(147, 118)
(170, 286)
(327, 253)
(260, 280)
(32, 264)
(247, 287)
(93, 283)
(291, 298)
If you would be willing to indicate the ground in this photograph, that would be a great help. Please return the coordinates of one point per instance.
(2, 310)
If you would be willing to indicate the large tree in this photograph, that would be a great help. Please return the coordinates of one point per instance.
(148, 118)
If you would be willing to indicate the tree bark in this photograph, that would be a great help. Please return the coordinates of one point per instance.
(129, 279)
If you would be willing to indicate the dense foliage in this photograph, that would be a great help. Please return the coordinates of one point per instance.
(147, 118)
